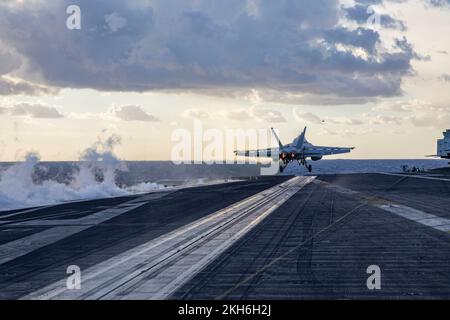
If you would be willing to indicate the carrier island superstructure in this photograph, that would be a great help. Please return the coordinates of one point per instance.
(443, 145)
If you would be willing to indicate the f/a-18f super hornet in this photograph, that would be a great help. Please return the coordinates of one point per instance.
(299, 150)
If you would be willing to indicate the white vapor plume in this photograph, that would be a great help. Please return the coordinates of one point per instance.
(94, 178)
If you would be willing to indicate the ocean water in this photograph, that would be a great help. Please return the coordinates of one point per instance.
(33, 183)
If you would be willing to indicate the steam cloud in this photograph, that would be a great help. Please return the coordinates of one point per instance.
(94, 178)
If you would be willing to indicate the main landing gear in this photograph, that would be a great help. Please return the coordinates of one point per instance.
(303, 162)
(283, 165)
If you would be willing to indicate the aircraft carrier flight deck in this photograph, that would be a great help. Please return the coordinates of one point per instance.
(282, 237)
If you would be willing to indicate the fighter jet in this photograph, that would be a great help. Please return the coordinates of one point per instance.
(299, 150)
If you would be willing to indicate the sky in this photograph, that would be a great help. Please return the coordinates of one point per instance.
(371, 74)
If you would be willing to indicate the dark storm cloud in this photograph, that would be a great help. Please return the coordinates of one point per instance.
(361, 13)
(287, 46)
(10, 61)
(363, 38)
(439, 3)
(9, 87)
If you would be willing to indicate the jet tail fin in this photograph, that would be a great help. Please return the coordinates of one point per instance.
(301, 140)
(280, 145)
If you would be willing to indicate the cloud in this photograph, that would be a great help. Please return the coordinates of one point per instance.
(439, 3)
(203, 46)
(311, 118)
(256, 112)
(419, 113)
(398, 106)
(445, 77)
(17, 87)
(267, 115)
(362, 12)
(366, 39)
(430, 115)
(238, 115)
(10, 61)
(385, 119)
(301, 98)
(344, 121)
(132, 113)
(438, 119)
(37, 111)
(115, 21)
(347, 132)
(403, 106)
(306, 117)
(195, 114)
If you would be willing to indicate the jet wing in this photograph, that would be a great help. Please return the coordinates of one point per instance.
(259, 153)
(316, 151)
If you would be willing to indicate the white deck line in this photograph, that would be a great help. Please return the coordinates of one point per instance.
(424, 218)
(109, 278)
(62, 229)
(414, 176)
(22, 211)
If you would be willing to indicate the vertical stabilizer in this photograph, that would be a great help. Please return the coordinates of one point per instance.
(301, 140)
(280, 145)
